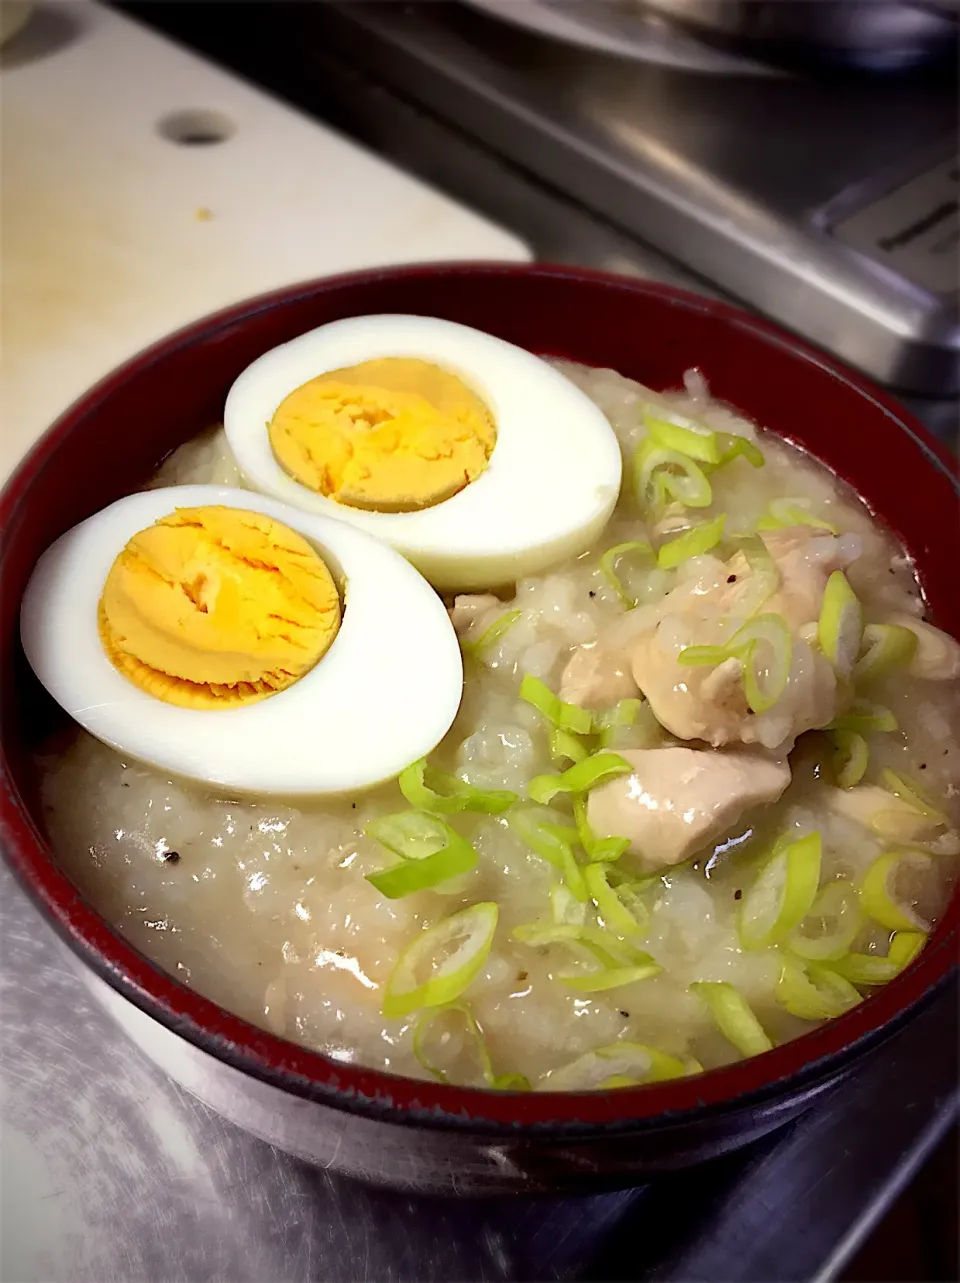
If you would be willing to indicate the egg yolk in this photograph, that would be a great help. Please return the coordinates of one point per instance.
(216, 607)
(391, 435)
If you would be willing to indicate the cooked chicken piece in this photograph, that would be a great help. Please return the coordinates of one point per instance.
(597, 676)
(468, 607)
(710, 704)
(805, 558)
(677, 800)
(937, 657)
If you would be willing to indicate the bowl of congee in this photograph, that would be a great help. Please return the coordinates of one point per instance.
(489, 727)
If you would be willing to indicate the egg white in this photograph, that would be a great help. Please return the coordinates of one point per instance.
(553, 476)
(384, 694)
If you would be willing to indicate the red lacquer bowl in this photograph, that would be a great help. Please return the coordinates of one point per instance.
(428, 1135)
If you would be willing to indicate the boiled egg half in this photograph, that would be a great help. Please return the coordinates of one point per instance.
(476, 460)
(220, 635)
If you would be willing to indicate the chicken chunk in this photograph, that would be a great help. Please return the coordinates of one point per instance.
(805, 559)
(710, 704)
(597, 676)
(469, 607)
(677, 800)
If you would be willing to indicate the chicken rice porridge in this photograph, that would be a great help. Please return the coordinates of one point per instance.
(701, 793)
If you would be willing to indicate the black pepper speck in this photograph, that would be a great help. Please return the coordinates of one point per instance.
(731, 579)
(625, 1014)
(738, 895)
(171, 857)
(592, 592)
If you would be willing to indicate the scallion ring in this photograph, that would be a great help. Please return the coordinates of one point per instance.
(866, 969)
(579, 778)
(812, 992)
(879, 897)
(830, 927)
(634, 549)
(692, 543)
(733, 1017)
(840, 626)
(421, 1030)
(492, 634)
(431, 790)
(442, 962)
(431, 853)
(783, 893)
(886, 647)
(565, 717)
(851, 758)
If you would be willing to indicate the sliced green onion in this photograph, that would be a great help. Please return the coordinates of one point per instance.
(692, 543)
(764, 682)
(450, 954)
(565, 908)
(912, 817)
(579, 778)
(431, 852)
(611, 977)
(491, 634)
(878, 894)
(635, 550)
(850, 759)
(619, 962)
(624, 713)
(874, 969)
(661, 474)
(840, 627)
(703, 656)
(764, 573)
(831, 926)
(567, 747)
(685, 435)
(606, 849)
(886, 647)
(783, 894)
(765, 650)
(629, 724)
(732, 1015)
(594, 944)
(732, 446)
(812, 992)
(566, 717)
(499, 1082)
(910, 792)
(431, 790)
(553, 843)
(624, 914)
(864, 718)
(793, 512)
(620, 1064)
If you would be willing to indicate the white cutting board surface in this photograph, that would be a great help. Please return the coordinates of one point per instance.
(113, 236)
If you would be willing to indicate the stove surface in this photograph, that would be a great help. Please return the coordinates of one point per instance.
(828, 205)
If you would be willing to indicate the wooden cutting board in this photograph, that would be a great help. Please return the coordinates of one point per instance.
(114, 233)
